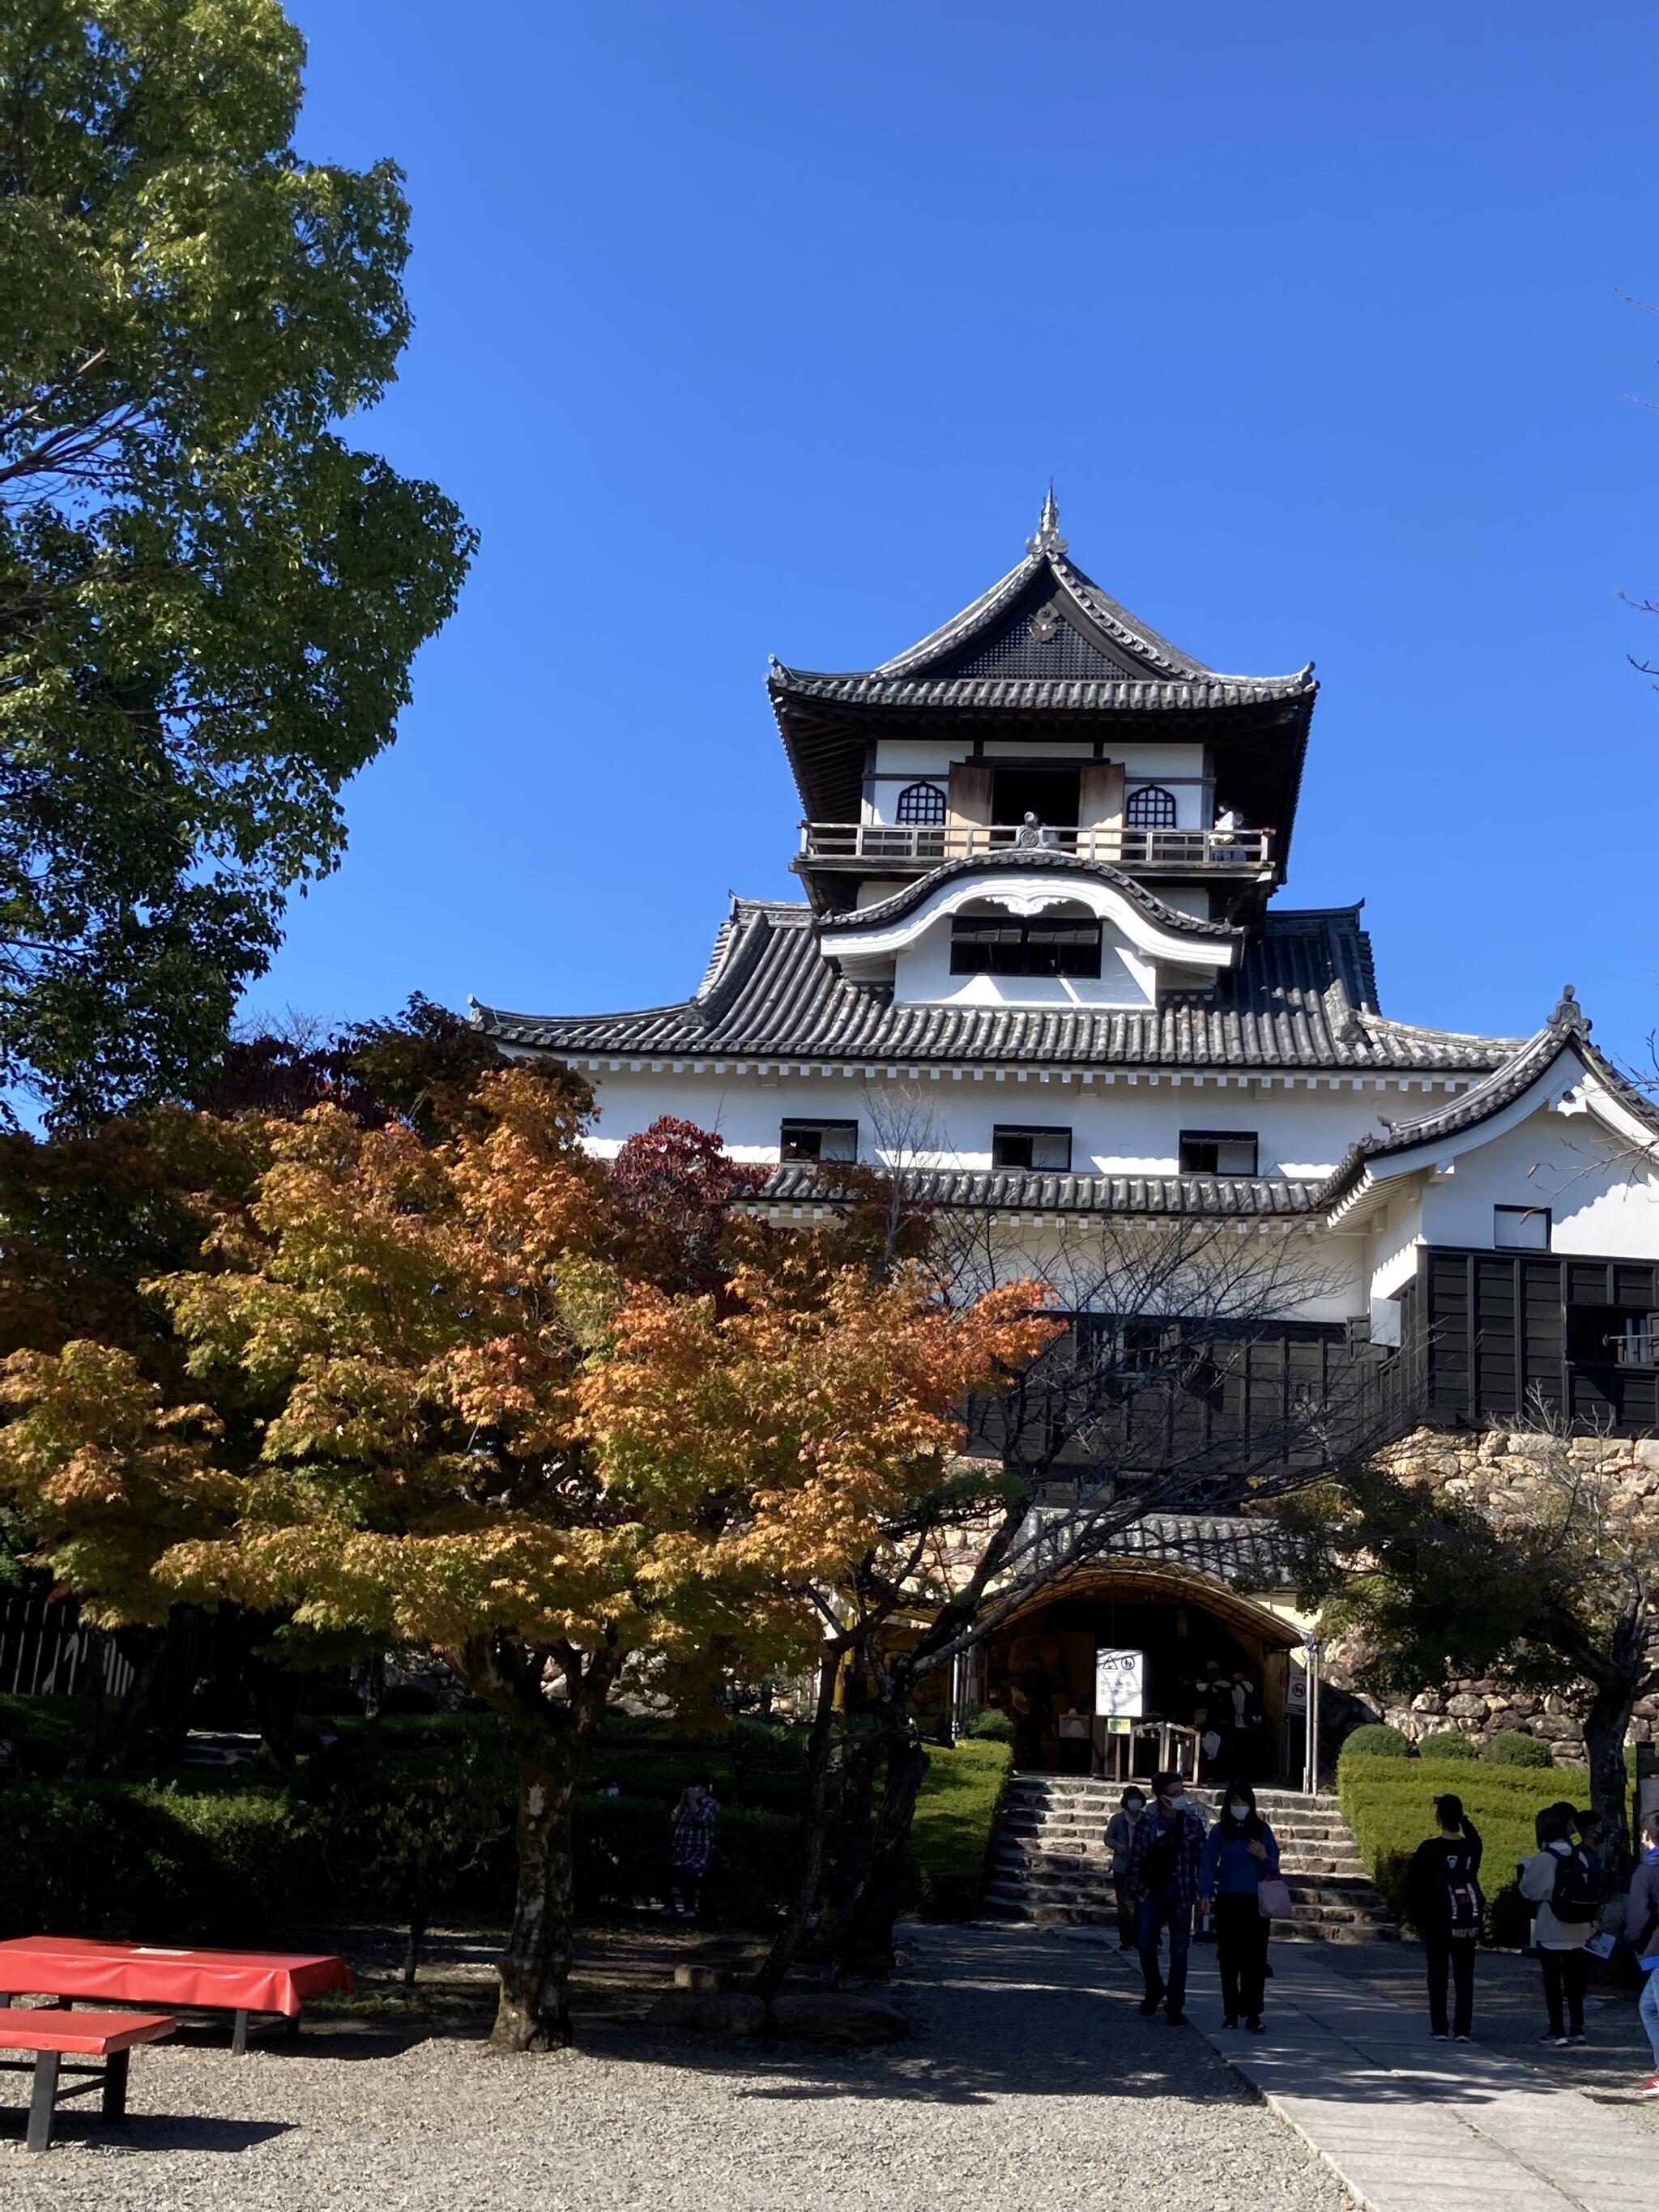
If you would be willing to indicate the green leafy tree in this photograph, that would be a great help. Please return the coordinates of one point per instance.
(209, 600)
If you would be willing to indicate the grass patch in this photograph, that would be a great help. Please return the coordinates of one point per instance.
(950, 1842)
(1389, 1805)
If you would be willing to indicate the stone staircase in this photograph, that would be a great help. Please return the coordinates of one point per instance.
(1049, 1862)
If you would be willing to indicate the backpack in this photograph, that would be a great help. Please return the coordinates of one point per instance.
(1574, 1898)
(1463, 1899)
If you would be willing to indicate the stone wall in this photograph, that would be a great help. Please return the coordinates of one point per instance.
(1473, 1467)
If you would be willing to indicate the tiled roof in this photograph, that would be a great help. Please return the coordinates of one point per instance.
(1010, 1189)
(1303, 996)
(1089, 695)
(1567, 1028)
(1018, 858)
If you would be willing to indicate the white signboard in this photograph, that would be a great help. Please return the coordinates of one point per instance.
(1296, 1690)
(1120, 1684)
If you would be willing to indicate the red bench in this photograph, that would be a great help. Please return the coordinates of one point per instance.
(53, 2033)
(240, 1982)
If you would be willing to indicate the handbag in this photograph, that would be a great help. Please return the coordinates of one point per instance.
(1274, 1898)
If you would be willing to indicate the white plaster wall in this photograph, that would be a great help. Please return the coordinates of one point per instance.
(1125, 1128)
(916, 759)
(1392, 1243)
(1602, 1199)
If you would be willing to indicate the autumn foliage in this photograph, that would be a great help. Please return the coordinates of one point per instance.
(553, 1421)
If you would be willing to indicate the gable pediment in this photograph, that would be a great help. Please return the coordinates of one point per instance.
(1043, 635)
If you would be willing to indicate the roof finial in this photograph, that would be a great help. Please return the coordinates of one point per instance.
(1047, 539)
(1569, 1014)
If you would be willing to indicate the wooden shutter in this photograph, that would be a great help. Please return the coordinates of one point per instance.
(1100, 807)
(970, 805)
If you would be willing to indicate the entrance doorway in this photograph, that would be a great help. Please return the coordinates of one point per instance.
(1198, 1640)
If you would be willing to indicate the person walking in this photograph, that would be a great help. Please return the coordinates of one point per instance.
(690, 1847)
(1162, 1880)
(1444, 1899)
(1642, 1934)
(1557, 1882)
(1120, 1834)
(1240, 1853)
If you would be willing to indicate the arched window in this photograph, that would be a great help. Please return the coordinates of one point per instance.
(1152, 807)
(920, 802)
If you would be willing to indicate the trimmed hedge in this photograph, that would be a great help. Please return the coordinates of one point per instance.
(105, 1859)
(990, 1725)
(950, 1842)
(1374, 1740)
(1446, 1743)
(1390, 1809)
(1514, 1747)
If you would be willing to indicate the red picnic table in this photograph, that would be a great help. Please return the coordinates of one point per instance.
(241, 1982)
(51, 2033)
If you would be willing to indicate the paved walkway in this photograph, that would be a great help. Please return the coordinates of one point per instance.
(1412, 2125)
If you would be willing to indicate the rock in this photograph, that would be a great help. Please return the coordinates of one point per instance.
(731, 2013)
(845, 2020)
(707, 1979)
(674, 2008)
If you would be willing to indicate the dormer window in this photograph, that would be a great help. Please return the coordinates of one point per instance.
(1218, 1152)
(1003, 944)
(1017, 1145)
(1152, 807)
(921, 803)
(819, 1141)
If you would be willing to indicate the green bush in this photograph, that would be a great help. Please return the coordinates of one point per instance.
(118, 1860)
(1390, 1809)
(956, 1813)
(1375, 1740)
(1446, 1743)
(991, 1725)
(1514, 1747)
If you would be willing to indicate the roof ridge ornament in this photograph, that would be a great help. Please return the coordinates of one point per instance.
(1569, 1018)
(1047, 539)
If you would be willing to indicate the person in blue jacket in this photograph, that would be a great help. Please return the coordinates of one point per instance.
(1240, 1853)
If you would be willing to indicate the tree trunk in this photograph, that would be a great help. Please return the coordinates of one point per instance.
(412, 1949)
(1605, 1726)
(534, 2010)
(803, 1903)
(850, 1840)
(866, 1944)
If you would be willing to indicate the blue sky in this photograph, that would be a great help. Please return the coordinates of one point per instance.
(748, 329)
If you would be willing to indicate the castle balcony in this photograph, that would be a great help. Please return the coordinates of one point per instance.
(911, 848)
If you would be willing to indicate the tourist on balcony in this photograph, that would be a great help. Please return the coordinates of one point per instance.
(1120, 1834)
(1162, 1880)
(1240, 1853)
(1444, 1902)
(1642, 1934)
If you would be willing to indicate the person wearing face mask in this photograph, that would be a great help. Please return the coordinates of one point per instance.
(1120, 1834)
(1240, 1853)
(1161, 1880)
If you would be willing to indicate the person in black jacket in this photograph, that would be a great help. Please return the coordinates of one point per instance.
(1444, 1897)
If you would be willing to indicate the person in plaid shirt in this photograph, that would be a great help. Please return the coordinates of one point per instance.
(1161, 1879)
(691, 1847)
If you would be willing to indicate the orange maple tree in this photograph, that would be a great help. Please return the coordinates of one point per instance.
(492, 1435)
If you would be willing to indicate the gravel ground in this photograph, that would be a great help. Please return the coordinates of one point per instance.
(1031, 2079)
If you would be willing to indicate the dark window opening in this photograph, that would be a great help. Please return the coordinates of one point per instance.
(1152, 807)
(1521, 1228)
(1218, 1152)
(1612, 1336)
(819, 1141)
(921, 802)
(983, 945)
(1014, 1146)
(1053, 795)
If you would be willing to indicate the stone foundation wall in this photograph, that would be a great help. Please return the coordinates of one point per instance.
(1473, 1466)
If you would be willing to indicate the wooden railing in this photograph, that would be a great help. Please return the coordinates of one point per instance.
(926, 845)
